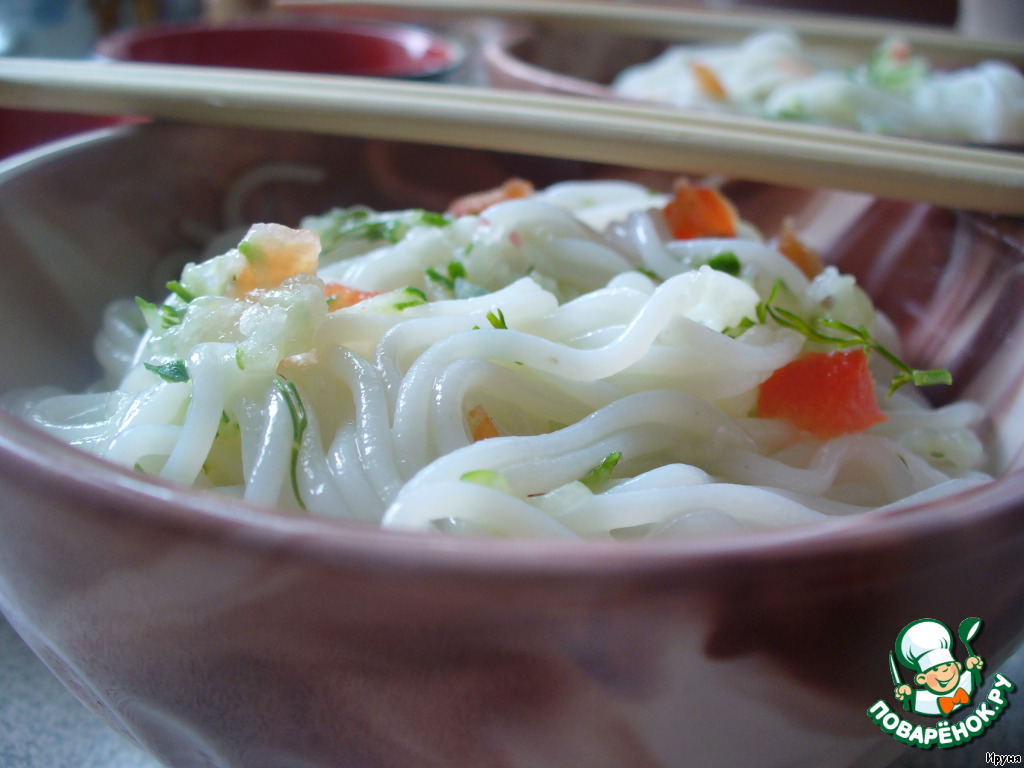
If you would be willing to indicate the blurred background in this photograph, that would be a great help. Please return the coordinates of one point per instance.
(72, 28)
(69, 28)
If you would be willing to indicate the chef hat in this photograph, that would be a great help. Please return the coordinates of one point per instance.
(924, 644)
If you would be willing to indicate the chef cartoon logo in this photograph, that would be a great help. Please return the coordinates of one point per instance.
(942, 684)
(939, 686)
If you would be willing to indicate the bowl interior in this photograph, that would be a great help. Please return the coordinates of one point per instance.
(343, 48)
(21, 129)
(113, 218)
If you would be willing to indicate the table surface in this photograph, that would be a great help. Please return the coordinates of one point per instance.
(43, 726)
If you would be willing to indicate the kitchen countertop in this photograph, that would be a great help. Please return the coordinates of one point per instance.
(43, 726)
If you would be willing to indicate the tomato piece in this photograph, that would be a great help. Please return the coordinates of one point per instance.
(481, 426)
(696, 211)
(793, 248)
(708, 81)
(341, 296)
(273, 253)
(825, 393)
(512, 189)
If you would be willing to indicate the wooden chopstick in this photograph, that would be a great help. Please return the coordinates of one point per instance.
(665, 22)
(542, 124)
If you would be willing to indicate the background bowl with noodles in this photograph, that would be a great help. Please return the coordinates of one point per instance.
(588, 63)
(212, 632)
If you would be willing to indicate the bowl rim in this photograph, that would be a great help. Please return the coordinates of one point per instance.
(497, 54)
(30, 458)
(116, 45)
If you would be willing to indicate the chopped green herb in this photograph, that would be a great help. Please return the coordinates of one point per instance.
(434, 219)
(145, 306)
(297, 411)
(174, 372)
(228, 427)
(415, 298)
(488, 478)
(391, 231)
(167, 314)
(600, 474)
(497, 319)
(364, 224)
(251, 252)
(727, 262)
(180, 291)
(735, 331)
(858, 336)
(440, 279)
(456, 269)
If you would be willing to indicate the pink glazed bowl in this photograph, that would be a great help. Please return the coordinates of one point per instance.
(340, 46)
(218, 634)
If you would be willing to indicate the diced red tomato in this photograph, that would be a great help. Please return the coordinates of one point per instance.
(708, 81)
(793, 248)
(825, 393)
(481, 426)
(696, 211)
(512, 189)
(341, 296)
(273, 253)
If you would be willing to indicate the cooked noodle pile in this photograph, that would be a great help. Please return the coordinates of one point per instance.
(554, 364)
(774, 74)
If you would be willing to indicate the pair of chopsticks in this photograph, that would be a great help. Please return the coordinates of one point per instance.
(668, 23)
(609, 132)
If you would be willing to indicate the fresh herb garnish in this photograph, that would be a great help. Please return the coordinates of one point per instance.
(599, 475)
(167, 314)
(180, 291)
(437, 277)
(727, 262)
(497, 319)
(253, 254)
(488, 478)
(855, 336)
(366, 224)
(415, 297)
(455, 270)
(297, 410)
(174, 372)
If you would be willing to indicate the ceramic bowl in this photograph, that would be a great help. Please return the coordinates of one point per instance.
(586, 62)
(214, 633)
(340, 45)
(337, 46)
(22, 129)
